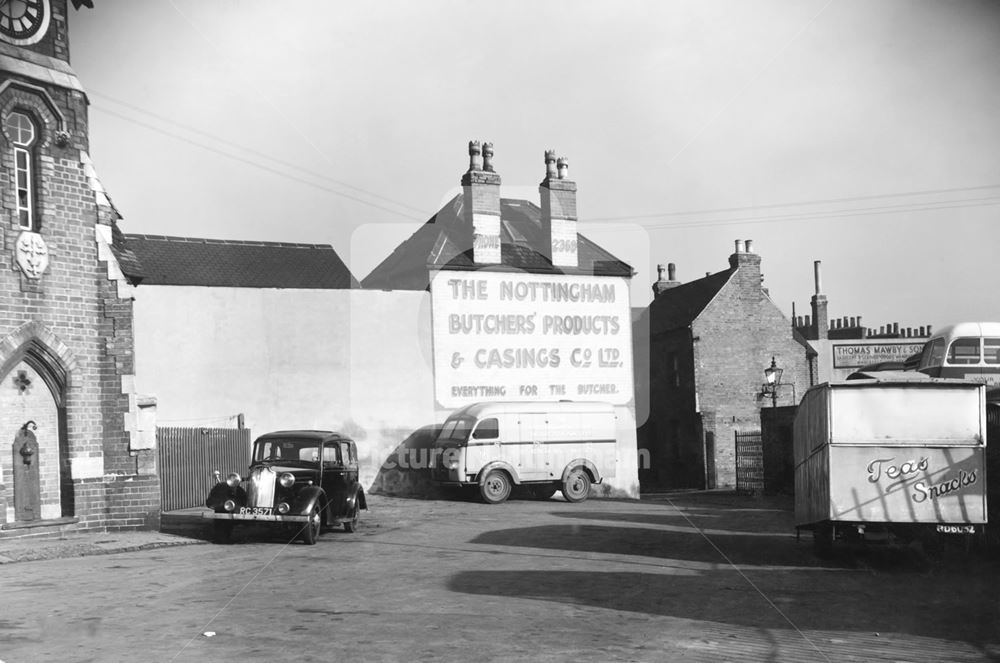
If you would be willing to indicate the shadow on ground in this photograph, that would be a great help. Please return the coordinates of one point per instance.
(928, 607)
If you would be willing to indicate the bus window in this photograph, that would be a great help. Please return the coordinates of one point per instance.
(964, 351)
(991, 350)
(933, 354)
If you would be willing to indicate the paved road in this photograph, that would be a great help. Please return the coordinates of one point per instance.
(695, 577)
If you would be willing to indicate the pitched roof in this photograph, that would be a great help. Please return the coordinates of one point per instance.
(238, 264)
(435, 245)
(128, 262)
(681, 305)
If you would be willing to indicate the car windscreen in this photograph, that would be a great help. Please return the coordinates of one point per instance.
(287, 450)
(456, 430)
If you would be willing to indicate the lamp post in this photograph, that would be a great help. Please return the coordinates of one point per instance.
(772, 378)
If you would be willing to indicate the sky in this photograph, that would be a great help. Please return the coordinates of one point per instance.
(861, 133)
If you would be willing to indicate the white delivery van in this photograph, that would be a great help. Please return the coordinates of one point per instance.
(546, 446)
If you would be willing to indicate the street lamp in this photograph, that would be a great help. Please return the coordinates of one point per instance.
(772, 379)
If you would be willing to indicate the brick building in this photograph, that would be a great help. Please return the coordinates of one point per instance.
(74, 453)
(709, 342)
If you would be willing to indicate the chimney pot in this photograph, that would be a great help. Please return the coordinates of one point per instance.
(475, 155)
(562, 165)
(550, 165)
(672, 271)
(854, 322)
(816, 271)
(488, 156)
(659, 272)
(739, 246)
(808, 321)
(749, 245)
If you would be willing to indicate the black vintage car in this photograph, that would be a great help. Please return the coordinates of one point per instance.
(307, 479)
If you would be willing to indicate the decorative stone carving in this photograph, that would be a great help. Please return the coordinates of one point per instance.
(32, 254)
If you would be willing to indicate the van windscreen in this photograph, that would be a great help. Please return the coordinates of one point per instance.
(456, 430)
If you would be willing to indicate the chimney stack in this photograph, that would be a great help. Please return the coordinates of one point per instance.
(481, 204)
(558, 196)
(662, 284)
(821, 323)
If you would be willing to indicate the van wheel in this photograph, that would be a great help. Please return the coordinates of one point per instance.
(576, 486)
(495, 487)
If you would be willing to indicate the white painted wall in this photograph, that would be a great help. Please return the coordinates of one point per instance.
(355, 361)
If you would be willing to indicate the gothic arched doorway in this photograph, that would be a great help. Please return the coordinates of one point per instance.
(33, 447)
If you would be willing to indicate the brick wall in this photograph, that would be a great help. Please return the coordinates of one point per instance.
(707, 378)
(673, 432)
(72, 322)
(737, 335)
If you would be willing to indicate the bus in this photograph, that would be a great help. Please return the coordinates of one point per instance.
(967, 350)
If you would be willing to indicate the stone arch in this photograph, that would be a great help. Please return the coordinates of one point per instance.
(36, 347)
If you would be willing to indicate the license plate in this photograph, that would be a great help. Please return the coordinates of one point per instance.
(957, 529)
(255, 510)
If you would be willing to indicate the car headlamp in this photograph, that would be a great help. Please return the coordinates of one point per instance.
(286, 480)
(233, 479)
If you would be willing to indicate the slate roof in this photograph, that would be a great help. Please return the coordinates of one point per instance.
(434, 245)
(238, 264)
(681, 305)
(127, 260)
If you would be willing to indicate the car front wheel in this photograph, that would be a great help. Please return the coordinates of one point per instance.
(310, 533)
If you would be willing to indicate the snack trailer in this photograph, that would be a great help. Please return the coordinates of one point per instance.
(891, 456)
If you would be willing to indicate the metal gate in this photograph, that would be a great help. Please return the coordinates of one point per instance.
(749, 463)
(189, 455)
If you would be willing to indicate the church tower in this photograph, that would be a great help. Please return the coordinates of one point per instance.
(73, 450)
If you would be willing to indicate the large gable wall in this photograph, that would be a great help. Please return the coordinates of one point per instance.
(736, 336)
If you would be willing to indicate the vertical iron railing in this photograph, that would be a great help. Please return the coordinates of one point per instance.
(749, 463)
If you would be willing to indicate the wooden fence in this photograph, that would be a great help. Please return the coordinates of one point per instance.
(189, 455)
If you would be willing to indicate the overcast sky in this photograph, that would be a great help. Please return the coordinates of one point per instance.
(863, 133)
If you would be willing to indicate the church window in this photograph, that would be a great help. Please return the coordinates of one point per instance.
(21, 131)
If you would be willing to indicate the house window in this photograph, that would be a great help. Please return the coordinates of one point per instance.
(21, 131)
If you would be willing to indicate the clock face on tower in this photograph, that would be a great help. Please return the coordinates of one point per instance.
(23, 22)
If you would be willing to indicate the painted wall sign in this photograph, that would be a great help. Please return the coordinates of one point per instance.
(515, 336)
(856, 355)
(908, 484)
